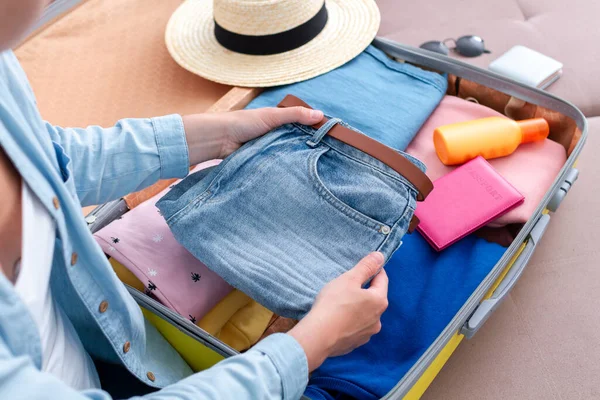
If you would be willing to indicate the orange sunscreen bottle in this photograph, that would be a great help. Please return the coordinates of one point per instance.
(487, 137)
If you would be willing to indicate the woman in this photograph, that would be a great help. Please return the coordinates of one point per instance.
(60, 304)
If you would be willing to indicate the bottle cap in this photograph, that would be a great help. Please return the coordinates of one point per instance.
(441, 146)
(533, 130)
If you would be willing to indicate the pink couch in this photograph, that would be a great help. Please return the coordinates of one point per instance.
(564, 29)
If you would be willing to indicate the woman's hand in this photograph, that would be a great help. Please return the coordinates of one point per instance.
(217, 135)
(344, 315)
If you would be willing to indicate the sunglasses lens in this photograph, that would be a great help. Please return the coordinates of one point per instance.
(436, 46)
(470, 46)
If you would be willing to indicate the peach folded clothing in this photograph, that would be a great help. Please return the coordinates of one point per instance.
(531, 169)
(142, 242)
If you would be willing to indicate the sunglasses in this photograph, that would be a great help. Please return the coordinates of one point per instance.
(467, 46)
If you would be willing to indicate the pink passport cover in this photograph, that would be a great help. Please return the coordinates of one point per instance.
(463, 201)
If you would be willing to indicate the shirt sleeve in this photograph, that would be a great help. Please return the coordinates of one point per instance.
(107, 163)
(276, 368)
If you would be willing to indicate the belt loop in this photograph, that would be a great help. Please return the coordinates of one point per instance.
(323, 130)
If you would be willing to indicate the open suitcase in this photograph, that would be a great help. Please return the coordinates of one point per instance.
(568, 127)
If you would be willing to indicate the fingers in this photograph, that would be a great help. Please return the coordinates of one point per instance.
(302, 115)
(367, 267)
(379, 284)
(379, 289)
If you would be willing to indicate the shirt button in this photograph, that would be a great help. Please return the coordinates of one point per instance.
(56, 203)
(126, 347)
(150, 376)
(103, 306)
(385, 229)
(74, 257)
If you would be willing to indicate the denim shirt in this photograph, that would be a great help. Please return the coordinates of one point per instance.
(68, 168)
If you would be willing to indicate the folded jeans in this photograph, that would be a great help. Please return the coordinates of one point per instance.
(387, 100)
(289, 212)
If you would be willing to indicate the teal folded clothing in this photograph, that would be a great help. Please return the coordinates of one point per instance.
(426, 290)
(385, 99)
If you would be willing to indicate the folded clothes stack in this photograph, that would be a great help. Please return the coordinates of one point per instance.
(145, 255)
(301, 207)
(531, 169)
(240, 245)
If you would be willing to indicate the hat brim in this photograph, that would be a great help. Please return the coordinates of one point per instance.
(351, 27)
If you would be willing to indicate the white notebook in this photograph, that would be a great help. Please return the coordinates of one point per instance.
(527, 66)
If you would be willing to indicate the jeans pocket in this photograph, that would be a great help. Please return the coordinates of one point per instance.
(359, 190)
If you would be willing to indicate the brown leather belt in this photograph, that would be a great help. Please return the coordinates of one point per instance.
(375, 149)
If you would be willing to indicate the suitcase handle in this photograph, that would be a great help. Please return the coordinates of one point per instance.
(488, 306)
(563, 189)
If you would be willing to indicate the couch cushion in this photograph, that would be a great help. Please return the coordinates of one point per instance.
(564, 30)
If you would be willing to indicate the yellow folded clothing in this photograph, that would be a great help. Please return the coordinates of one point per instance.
(125, 275)
(236, 320)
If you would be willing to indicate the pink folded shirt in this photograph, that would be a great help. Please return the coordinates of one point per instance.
(531, 169)
(142, 242)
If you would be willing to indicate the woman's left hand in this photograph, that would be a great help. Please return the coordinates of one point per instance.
(210, 136)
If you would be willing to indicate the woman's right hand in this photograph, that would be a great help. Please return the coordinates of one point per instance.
(344, 315)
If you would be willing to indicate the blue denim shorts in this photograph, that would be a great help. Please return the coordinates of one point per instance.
(289, 212)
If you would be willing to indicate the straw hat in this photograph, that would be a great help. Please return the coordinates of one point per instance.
(260, 43)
